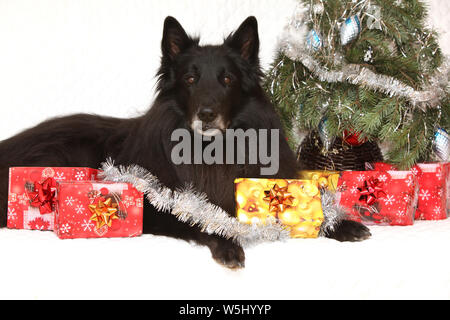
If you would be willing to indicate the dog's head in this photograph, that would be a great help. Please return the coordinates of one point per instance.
(209, 81)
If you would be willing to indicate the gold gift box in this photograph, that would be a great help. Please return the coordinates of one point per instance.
(295, 203)
(321, 179)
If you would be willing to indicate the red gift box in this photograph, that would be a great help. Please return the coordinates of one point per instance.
(380, 166)
(31, 194)
(447, 183)
(93, 209)
(378, 197)
(434, 189)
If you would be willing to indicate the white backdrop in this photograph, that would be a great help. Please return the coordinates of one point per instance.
(60, 57)
(100, 56)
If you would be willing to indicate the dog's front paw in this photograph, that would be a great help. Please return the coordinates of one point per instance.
(229, 254)
(349, 230)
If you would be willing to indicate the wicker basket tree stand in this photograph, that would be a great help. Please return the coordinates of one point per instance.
(340, 157)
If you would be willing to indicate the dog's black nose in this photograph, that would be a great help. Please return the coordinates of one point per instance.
(207, 115)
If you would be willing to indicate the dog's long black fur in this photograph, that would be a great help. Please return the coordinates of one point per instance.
(207, 82)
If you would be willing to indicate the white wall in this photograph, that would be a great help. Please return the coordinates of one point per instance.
(99, 56)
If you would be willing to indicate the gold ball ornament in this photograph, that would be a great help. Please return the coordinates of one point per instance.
(310, 190)
(323, 182)
(289, 217)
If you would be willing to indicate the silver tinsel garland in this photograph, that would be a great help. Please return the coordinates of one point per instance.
(293, 45)
(190, 206)
(332, 212)
(362, 76)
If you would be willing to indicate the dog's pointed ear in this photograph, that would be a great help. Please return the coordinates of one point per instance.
(246, 40)
(174, 38)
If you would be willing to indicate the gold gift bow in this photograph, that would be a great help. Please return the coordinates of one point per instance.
(103, 212)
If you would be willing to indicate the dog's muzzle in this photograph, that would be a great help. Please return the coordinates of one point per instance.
(212, 128)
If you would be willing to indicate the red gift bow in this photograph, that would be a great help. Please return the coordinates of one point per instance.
(43, 196)
(371, 191)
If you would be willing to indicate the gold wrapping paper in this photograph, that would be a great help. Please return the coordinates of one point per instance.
(321, 179)
(295, 203)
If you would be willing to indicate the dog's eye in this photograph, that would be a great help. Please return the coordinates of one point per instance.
(190, 80)
(227, 80)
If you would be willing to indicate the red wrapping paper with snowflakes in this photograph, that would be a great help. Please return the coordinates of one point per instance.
(379, 197)
(93, 209)
(31, 194)
(447, 185)
(434, 189)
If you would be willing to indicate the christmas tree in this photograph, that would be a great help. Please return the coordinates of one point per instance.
(364, 71)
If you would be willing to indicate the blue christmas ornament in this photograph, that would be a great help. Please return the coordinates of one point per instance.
(324, 134)
(350, 30)
(441, 144)
(313, 40)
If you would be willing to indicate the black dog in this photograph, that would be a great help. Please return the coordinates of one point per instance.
(219, 85)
